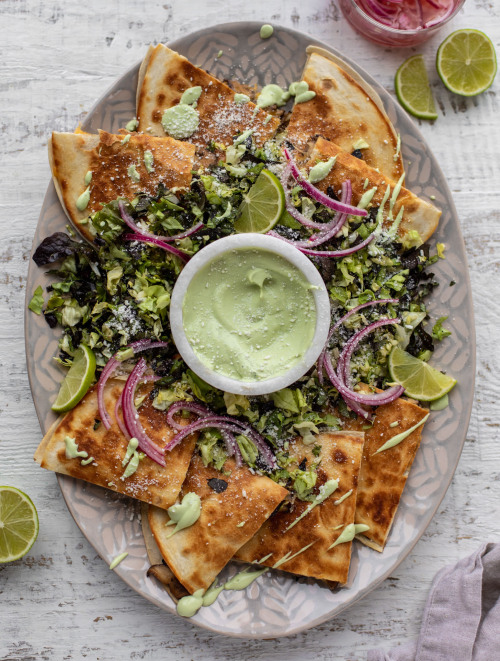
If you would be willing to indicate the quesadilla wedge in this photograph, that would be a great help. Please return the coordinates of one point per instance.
(340, 459)
(383, 476)
(345, 110)
(234, 505)
(96, 169)
(419, 218)
(164, 77)
(100, 453)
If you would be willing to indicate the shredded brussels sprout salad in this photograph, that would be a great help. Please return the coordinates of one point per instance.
(117, 291)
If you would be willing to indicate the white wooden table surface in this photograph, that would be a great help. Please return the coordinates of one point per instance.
(61, 601)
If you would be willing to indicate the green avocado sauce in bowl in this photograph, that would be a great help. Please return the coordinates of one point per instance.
(250, 314)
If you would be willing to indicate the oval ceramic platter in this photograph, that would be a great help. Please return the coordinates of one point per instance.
(276, 604)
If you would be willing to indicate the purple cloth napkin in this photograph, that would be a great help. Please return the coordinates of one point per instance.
(461, 619)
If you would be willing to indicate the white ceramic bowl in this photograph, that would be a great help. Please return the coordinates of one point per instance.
(295, 257)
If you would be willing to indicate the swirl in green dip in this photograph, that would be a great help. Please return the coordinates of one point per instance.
(249, 314)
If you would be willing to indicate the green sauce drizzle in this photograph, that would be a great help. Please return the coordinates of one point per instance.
(396, 440)
(243, 579)
(440, 404)
(185, 513)
(118, 559)
(191, 95)
(148, 161)
(132, 446)
(325, 491)
(132, 125)
(266, 31)
(191, 604)
(272, 95)
(366, 198)
(241, 98)
(83, 201)
(288, 557)
(72, 451)
(341, 500)
(180, 121)
(349, 533)
(133, 174)
(321, 170)
(212, 593)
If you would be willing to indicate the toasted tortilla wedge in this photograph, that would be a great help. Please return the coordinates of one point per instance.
(228, 519)
(340, 459)
(151, 483)
(344, 110)
(418, 214)
(383, 476)
(108, 157)
(158, 568)
(165, 75)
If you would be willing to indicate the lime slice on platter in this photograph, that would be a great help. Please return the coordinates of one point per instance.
(419, 379)
(77, 381)
(18, 524)
(262, 206)
(466, 62)
(413, 89)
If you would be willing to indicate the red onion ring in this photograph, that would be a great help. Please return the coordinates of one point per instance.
(328, 230)
(118, 418)
(318, 195)
(128, 220)
(159, 243)
(131, 417)
(375, 399)
(338, 253)
(344, 361)
(225, 423)
(442, 18)
(109, 369)
(232, 446)
(380, 301)
(294, 212)
(192, 407)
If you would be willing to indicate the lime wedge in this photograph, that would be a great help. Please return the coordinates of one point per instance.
(77, 380)
(420, 380)
(466, 62)
(18, 524)
(413, 89)
(262, 206)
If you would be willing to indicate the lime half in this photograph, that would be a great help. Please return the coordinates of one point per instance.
(262, 206)
(420, 380)
(466, 62)
(18, 524)
(77, 380)
(413, 89)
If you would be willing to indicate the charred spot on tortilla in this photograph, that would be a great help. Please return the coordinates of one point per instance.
(118, 169)
(227, 520)
(217, 484)
(297, 524)
(345, 109)
(165, 74)
(150, 482)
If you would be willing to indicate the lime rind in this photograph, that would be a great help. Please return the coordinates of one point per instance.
(413, 89)
(419, 379)
(466, 62)
(77, 381)
(18, 535)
